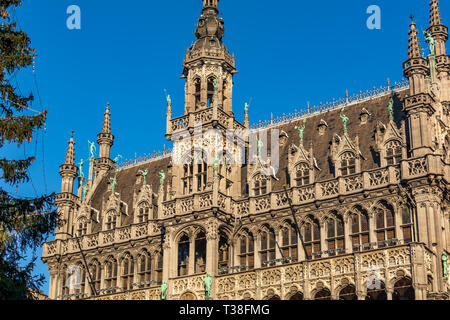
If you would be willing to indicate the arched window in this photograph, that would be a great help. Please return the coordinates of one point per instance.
(197, 86)
(348, 164)
(224, 250)
(201, 176)
(82, 227)
(407, 224)
(111, 220)
(96, 274)
(289, 244)
(210, 93)
(159, 268)
(267, 251)
(64, 281)
(200, 252)
(111, 273)
(183, 255)
(377, 292)
(393, 152)
(403, 290)
(348, 293)
(323, 294)
(360, 230)
(311, 239)
(127, 273)
(297, 296)
(143, 212)
(247, 251)
(188, 178)
(302, 175)
(81, 281)
(145, 269)
(385, 224)
(260, 185)
(335, 236)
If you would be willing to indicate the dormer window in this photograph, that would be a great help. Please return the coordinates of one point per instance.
(260, 185)
(348, 164)
(393, 152)
(302, 175)
(111, 220)
(82, 227)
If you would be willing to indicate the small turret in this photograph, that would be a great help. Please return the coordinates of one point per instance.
(66, 200)
(68, 170)
(438, 31)
(105, 140)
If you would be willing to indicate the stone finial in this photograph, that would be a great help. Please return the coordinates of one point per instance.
(107, 120)
(414, 44)
(70, 154)
(435, 14)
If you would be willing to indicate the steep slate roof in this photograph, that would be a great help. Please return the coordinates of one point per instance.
(377, 107)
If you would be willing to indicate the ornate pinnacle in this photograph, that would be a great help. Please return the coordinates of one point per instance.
(107, 120)
(414, 45)
(435, 14)
(70, 154)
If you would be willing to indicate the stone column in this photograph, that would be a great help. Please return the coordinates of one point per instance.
(347, 233)
(169, 265)
(191, 263)
(212, 249)
(257, 249)
(372, 226)
(323, 236)
(278, 240)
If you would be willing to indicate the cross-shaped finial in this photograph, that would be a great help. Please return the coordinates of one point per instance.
(71, 133)
(108, 104)
(412, 17)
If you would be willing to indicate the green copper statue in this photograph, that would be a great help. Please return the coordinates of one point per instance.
(162, 177)
(391, 107)
(144, 174)
(301, 130)
(81, 168)
(85, 190)
(246, 106)
(208, 283)
(431, 42)
(92, 149)
(163, 290)
(260, 146)
(116, 159)
(113, 184)
(445, 265)
(344, 120)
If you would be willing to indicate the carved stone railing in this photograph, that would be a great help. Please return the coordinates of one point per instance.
(327, 272)
(335, 104)
(179, 123)
(143, 294)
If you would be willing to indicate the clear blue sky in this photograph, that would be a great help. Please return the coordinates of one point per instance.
(287, 53)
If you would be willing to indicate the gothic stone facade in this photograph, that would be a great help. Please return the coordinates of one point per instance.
(370, 197)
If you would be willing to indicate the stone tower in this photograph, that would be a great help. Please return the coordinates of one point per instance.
(66, 200)
(105, 140)
(208, 69)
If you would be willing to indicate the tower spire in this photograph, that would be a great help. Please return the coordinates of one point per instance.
(418, 105)
(70, 153)
(107, 120)
(210, 3)
(65, 201)
(414, 44)
(438, 31)
(105, 140)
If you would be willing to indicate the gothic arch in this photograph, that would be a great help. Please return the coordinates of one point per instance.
(188, 295)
